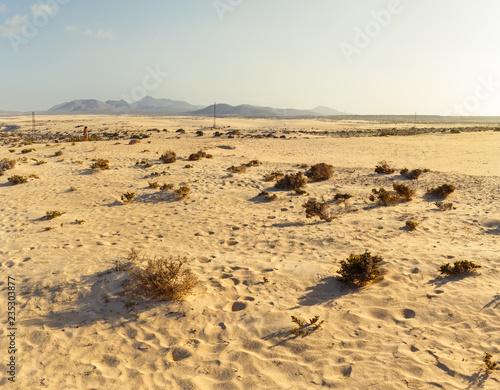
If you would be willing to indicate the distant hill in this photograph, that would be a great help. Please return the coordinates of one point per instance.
(161, 106)
(246, 110)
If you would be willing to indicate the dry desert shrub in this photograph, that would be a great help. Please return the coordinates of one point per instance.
(444, 206)
(320, 172)
(17, 179)
(127, 197)
(164, 277)
(460, 268)
(24, 151)
(273, 176)
(291, 182)
(315, 208)
(305, 328)
(490, 365)
(235, 169)
(199, 155)
(401, 193)
(168, 157)
(267, 196)
(360, 269)
(342, 197)
(253, 163)
(58, 153)
(405, 192)
(182, 192)
(154, 185)
(442, 191)
(384, 168)
(411, 224)
(100, 164)
(414, 174)
(134, 141)
(53, 214)
(7, 163)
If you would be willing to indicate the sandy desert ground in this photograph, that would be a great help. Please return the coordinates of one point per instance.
(258, 263)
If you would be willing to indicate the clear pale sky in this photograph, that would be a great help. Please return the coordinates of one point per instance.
(361, 57)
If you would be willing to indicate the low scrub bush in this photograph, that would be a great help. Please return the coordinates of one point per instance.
(24, 151)
(319, 209)
(273, 176)
(490, 365)
(342, 197)
(199, 155)
(154, 185)
(17, 179)
(127, 197)
(53, 214)
(411, 224)
(291, 182)
(462, 267)
(235, 169)
(58, 153)
(360, 269)
(268, 197)
(384, 168)
(100, 164)
(414, 174)
(305, 329)
(442, 191)
(168, 157)
(320, 172)
(182, 192)
(253, 163)
(7, 163)
(444, 206)
(401, 193)
(164, 277)
(405, 192)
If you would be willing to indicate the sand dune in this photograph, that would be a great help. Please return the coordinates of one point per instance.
(258, 263)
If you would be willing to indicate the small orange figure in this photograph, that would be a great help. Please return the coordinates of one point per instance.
(85, 134)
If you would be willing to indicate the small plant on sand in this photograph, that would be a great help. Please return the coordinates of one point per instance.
(24, 151)
(444, 206)
(39, 162)
(273, 176)
(17, 179)
(7, 163)
(305, 328)
(80, 221)
(189, 166)
(34, 176)
(166, 187)
(414, 174)
(319, 209)
(384, 168)
(235, 169)
(100, 164)
(127, 197)
(291, 182)
(53, 214)
(342, 197)
(182, 192)
(267, 196)
(490, 366)
(405, 192)
(441, 191)
(154, 185)
(168, 157)
(12, 150)
(360, 269)
(164, 277)
(199, 155)
(300, 191)
(72, 188)
(460, 268)
(320, 172)
(144, 164)
(411, 224)
(58, 153)
(253, 163)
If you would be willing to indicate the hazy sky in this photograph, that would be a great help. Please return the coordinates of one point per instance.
(358, 56)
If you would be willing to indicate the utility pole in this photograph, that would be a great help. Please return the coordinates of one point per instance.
(33, 121)
(215, 112)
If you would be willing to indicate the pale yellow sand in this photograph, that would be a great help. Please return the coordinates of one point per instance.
(412, 329)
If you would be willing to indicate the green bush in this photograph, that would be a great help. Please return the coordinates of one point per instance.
(462, 267)
(360, 269)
